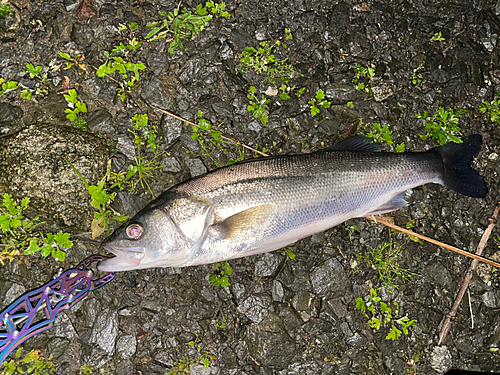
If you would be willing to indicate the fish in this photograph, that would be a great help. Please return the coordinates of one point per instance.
(264, 204)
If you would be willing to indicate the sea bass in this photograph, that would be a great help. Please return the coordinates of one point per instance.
(264, 204)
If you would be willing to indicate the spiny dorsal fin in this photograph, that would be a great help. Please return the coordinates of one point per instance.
(243, 221)
(356, 143)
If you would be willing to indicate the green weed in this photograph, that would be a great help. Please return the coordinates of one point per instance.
(221, 276)
(7, 86)
(437, 37)
(185, 24)
(442, 126)
(209, 138)
(412, 364)
(5, 9)
(142, 169)
(76, 108)
(363, 75)
(492, 109)
(70, 61)
(351, 229)
(416, 76)
(318, 101)
(128, 70)
(382, 314)
(332, 359)
(258, 107)
(86, 370)
(380, 134)
(33, 363)
(263, 60)
(350, 105)
(220, 323)
(19, 235)
(385, 260)
(101, 200)
(183, 366)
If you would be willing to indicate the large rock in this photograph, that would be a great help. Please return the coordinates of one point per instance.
(32, 165)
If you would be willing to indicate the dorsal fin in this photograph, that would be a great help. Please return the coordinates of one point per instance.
(355, 143)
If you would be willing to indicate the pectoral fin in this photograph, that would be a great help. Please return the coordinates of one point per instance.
(245, 221)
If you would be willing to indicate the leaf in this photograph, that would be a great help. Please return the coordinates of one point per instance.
(64, 55)
(320, 94)
(97, 227)
(360, 304)
(394, 334)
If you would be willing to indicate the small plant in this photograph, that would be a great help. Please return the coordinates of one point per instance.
(258, 107)
(332, 359)
(35, 71)
(492, 108)
(290, 253)
(86, 370)
(5, 9)
(380, 134)
(443, 125)
(318, 101)
(263, 60)
(363, 75)
(221, 276)
(138, 173)
(300, 92)
(350, 105)
(101, 200)
(210, 139)
(33, 363)
(185, 24)
(412, 364)
(76, 108)
(183, 366)
(220, 323)
(70, 61)
(351, 229)
(410, 225)
(383, 314)
(416, 76)
(385, 260)
(7, 86)
(18, 234)
(437, 37)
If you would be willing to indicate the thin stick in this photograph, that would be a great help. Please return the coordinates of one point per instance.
(482, 244)
(384, 221)
(470, 309)
(223, 137)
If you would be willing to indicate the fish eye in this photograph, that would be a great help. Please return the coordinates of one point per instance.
(134, 231)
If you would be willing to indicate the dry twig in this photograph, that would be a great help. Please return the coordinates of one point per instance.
(233, 141)
(482, 244)
(476, 257)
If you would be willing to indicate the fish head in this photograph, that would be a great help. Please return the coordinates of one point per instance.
(163, 234)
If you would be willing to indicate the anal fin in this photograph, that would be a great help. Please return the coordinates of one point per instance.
(394, 204)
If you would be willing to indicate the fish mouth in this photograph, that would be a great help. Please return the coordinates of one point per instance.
(126, 258)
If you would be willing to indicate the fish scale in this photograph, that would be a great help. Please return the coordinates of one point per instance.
(264, 204)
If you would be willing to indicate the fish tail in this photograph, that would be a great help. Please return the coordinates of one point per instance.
(457, 173)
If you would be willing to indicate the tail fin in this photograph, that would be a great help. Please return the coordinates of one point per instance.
(458, 175)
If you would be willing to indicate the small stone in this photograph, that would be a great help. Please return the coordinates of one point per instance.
(277, 292)
(170, 164)
(14, 292)
(125, 367)
(441, 359)
(489, 299)
(329, 278)
(267, 265)
(155, 94)
(381, 90)
(70, 5)
(126, 346)
(100, 121)
(255, 308)
(271, 91)
(196, 167)
(126, 147)
(105, 331)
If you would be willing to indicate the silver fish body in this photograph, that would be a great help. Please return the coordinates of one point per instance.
(264, 204)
